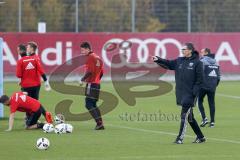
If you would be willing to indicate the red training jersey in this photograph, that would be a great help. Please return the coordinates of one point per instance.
(94, 64)
(36, 56)
(29, 70)
(23, 103)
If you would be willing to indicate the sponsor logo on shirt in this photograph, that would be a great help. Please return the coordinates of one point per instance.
(29, 66)
(212, 74)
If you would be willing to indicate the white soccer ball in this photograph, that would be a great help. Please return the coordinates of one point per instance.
(42, 143)
(48, 128)
(59, 118)
(68, 128)
(60, 128)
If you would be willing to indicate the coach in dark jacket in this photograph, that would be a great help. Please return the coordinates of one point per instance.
(210, 82)
(188, 77)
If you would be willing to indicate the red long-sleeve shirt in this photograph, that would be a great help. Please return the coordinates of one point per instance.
(29, 70)
(23, 103)
(94, 65)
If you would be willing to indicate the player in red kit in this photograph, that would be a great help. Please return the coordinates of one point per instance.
(19, 101)
(21, 49)
(31, 51)
(93, 75)
(30, 71)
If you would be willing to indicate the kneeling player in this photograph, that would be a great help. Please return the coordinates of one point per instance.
(19, 101)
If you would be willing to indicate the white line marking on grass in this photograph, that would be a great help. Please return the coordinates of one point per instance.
(228, 96)
(176, 156)
(147, 157)
(172, 134)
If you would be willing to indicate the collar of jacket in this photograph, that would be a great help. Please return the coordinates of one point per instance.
(195, 55)
(211, 55)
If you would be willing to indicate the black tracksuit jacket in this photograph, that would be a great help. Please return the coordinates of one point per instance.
(211, 72)
(188, 77)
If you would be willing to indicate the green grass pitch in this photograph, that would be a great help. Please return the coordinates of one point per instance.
(125, 138)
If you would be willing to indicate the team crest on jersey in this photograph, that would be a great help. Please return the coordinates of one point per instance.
(29, 66)
(191, 64)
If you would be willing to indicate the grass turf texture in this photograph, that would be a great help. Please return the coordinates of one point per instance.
(128, 138)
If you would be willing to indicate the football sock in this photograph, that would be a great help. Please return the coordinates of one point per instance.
(95, 112)
(40, 125)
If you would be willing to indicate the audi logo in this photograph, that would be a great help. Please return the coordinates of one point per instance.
(142, 51)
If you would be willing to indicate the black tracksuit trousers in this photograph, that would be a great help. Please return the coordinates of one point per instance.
(188, 117)
(211, 103)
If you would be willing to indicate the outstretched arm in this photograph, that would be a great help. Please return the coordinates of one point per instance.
(167, 64)
(11, 121)
(43, 75)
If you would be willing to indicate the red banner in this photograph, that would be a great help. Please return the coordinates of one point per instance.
(56, 48)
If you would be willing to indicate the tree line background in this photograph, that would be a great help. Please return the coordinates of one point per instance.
(116, 15)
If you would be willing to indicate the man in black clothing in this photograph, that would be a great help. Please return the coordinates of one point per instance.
(210, 82)
(188, 77)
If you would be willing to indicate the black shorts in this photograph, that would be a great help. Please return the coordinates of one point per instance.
(92, 92)
(33, 118)
(32, 91)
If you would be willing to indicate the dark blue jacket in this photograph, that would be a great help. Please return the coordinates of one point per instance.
(211, 73)
(188, 77)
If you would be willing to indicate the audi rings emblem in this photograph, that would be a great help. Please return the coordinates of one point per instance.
(142, 50)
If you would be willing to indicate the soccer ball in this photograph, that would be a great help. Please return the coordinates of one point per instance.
(68, 128)
(47, 128)
(59, 118)
(63, 128)
(60, 128)
(42, 143)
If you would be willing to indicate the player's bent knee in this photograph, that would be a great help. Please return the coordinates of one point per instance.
(89, 107)
(90, 103)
